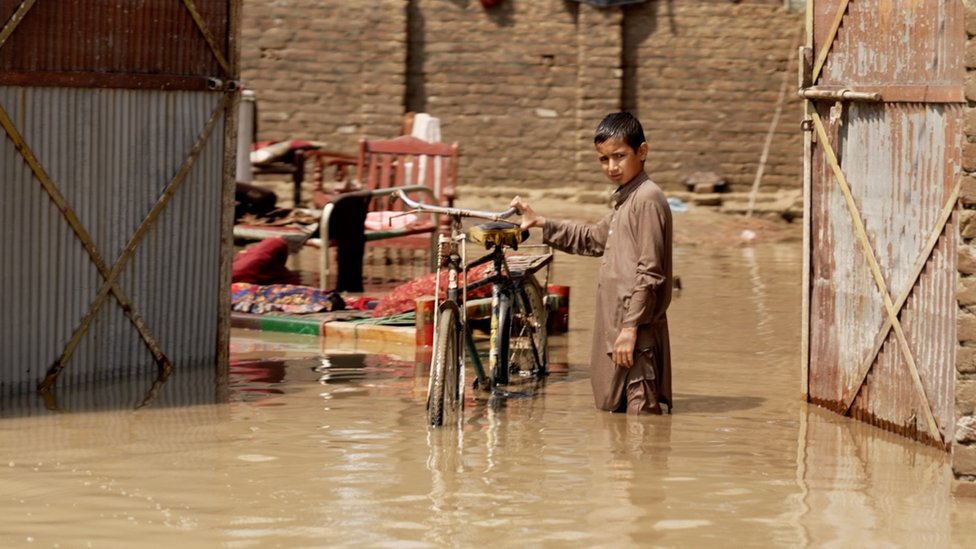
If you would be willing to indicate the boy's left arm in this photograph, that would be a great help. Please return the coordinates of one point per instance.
(652, 251)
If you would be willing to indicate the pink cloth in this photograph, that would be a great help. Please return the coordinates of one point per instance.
(384, 221)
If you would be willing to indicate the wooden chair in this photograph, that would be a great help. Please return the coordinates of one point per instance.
(406, 162)
(324, 160)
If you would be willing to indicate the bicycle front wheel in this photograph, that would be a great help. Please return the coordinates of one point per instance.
(444, 399)
(522, 340)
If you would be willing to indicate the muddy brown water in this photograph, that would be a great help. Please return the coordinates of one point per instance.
(326, 447)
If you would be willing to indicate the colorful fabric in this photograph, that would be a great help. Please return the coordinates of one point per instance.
(403, 298)
(258, 299)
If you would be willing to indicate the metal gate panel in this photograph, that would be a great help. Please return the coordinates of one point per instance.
(892, 43)
(103, 42)
(111, 153)
(886, 79)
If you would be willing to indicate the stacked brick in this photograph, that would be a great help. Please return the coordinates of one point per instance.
(522, 85)
(964, 449)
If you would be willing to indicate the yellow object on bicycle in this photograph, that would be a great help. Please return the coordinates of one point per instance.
(498, 233)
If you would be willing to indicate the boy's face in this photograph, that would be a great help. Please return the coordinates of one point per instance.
(620, 162)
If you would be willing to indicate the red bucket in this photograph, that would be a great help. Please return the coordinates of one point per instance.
(425, 321)
(558, 309)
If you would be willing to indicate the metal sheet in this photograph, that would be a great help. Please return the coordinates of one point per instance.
(150, 38)
(901, 160)
(110, 153)
(905, 157)
(897, 42)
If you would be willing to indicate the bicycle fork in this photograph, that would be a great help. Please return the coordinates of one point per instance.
(450, 258)
(497, 355)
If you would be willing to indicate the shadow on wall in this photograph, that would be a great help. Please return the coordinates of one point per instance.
(638, 25)
(415, 91)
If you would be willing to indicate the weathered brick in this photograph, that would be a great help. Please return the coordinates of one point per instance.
(965, 397)
(965, 326)
(966, 290)
(966, 260)
(967, 223)
(963, 487)
(964, 459)
(966, 430)
(970, 8)
(967, 186)
(966, 360)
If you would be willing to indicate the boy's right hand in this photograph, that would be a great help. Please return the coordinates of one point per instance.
(529, 217)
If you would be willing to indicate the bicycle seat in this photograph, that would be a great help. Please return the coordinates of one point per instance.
(498, 233)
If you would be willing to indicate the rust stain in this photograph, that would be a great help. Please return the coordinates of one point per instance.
(154, 38)
(909, 431)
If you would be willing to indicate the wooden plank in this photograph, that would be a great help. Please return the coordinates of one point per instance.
(191, 6)
(227, 204)
(15, 19)
(806, 254)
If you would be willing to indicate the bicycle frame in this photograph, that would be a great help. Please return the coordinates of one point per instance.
(502, 281)
(451, 255)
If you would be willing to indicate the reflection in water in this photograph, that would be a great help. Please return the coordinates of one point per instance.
(313, 447)
(188, 385)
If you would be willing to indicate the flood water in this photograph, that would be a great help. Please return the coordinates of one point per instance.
(326, 447)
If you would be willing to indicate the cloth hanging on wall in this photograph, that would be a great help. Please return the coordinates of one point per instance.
(609, 3)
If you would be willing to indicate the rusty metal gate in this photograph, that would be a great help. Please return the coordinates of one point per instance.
(116, 176)
(884, 84)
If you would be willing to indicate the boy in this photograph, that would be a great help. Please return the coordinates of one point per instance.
(630, 360)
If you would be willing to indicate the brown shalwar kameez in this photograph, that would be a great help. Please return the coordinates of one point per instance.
(634, 289)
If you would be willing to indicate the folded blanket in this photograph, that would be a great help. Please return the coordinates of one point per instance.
(258, 299)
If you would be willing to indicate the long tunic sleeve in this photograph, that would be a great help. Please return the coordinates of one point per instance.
(577, 238)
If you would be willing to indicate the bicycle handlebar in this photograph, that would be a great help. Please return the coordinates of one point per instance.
(459, 212)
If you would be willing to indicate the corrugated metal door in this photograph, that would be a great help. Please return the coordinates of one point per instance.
(884, 84)
(116, 175)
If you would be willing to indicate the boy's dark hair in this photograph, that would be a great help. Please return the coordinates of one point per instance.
(620, 125)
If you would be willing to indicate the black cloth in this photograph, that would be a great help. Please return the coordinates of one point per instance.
(347, 229)
(252, 199)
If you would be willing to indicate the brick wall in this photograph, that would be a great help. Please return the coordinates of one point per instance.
(521, 86)
(709, 77)
(964, 449)
(328, 70)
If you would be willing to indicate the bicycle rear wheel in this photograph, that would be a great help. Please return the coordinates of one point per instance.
(522, 340)
(444, 399)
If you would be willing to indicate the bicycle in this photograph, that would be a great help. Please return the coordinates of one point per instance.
(518, 340)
